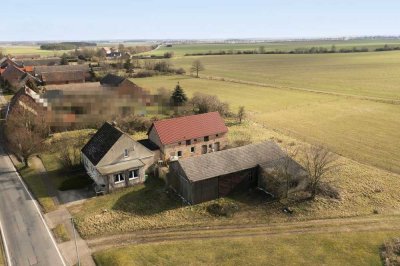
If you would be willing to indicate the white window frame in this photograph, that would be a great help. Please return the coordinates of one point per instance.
(133, 171)
(121, 178)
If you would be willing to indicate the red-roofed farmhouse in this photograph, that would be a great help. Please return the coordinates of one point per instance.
(189, 135)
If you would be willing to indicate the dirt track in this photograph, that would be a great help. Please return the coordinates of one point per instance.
(356, 224)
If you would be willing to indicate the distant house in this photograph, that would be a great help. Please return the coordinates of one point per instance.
(111, 52)
(215, 175)
(189, 135)
(114, 160)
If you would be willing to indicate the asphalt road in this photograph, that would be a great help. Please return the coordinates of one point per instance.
(26, 236)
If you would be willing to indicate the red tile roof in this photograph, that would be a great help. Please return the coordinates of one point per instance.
(189, 127)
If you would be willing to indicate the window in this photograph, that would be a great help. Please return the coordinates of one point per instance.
(179, 153)
(195, 140)
(179, 143)
(126, 153)
(188, 142)
(206, 138)
(217, 135)
(133, 174)
(210, 146)
(192, 149)
(118, 178)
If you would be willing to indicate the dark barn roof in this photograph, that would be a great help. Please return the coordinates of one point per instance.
(229, 161)
(111, 80)
(101, 143)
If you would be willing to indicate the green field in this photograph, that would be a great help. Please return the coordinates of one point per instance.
(364, 74)
(364, 130)
(182, 49)
(353, 248)
(32, 49)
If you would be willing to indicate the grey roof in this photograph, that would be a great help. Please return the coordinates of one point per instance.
(101, 143)
(111, 80)
(230, 161)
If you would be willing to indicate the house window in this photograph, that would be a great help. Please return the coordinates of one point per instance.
(179, 143)
(210, 146)
(133, 174)
(206, 138)
(179, 153)
(195, 140)
(192, 149)
(118, 178)
(126, 153)
(217, 135)
(188, 142)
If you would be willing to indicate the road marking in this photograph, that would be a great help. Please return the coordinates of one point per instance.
(39, 211)
(8, 258)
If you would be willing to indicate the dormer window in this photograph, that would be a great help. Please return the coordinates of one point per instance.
(126, 153)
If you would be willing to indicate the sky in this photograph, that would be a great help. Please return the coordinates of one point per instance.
(35, 20)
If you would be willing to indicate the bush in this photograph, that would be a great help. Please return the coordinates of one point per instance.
(327, 190)
(222, 209)
(390, 252)
(180, 71)
(204, 103)
(145, 74)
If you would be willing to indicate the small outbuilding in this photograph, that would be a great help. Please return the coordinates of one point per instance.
(214, 175)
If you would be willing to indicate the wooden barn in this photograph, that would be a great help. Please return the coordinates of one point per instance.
(214, 175)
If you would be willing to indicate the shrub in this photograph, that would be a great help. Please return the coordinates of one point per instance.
(180, 71)
(327, 190)
(222, 209)
(390, 252)
(145, 74)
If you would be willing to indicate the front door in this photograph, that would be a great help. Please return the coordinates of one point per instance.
(204, 149)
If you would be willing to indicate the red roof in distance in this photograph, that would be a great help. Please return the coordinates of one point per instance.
(189, 127)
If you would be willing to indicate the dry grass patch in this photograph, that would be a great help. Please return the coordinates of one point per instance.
(61, 234)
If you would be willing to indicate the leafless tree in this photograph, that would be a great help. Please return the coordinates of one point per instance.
(241, 114)
(197, 66)
(204, 103)
(25, 131)
(318, 162)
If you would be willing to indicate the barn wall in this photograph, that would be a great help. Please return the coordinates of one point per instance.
(205, 190)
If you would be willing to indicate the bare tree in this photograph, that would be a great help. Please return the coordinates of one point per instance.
(318, 162)
(26, 131)
(197, 66)
(241, 114)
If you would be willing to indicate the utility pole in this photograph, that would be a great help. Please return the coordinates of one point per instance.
(76, 246)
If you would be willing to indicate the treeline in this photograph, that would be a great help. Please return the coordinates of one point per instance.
(65, 45)
(312, 50)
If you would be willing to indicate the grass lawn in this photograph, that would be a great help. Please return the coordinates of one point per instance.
(365, 131)
(352, 248)
(2, 255)
(182, 49)
(37, 187)
(363, 190)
